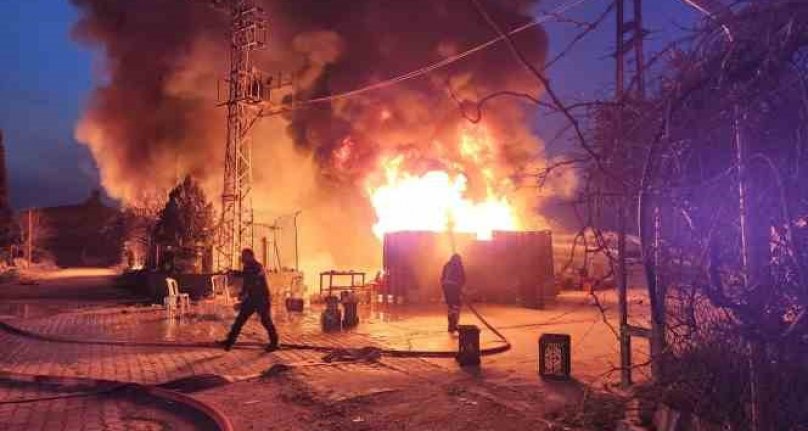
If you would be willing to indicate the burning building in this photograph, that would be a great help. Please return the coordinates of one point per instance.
(509, 267)
(415, 155)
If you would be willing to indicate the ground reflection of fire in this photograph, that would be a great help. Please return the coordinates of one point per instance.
(438, 200)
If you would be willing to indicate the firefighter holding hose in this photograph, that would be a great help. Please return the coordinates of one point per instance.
(452, 280)
(255, 299)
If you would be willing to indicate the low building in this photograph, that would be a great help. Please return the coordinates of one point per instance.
(88, 234)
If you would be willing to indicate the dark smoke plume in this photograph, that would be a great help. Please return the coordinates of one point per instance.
(152, 118)
(162, 59)
(385, 37)
(153, 105)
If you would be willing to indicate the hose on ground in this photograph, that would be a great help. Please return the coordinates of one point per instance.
(492, 351)
(505, 344)
(108, 386)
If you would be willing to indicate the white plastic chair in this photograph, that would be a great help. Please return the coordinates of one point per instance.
(170, 302)
(219, 286)
(176, 300)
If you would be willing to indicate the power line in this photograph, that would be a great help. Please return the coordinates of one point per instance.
(439, 64)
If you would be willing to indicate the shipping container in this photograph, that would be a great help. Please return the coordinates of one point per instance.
(511, 267)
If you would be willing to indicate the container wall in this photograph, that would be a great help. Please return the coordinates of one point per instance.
(513, 267)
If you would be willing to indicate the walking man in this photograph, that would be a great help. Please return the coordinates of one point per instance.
(452, 280)
(255, 298)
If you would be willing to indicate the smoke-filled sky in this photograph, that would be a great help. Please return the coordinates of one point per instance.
(47, 78)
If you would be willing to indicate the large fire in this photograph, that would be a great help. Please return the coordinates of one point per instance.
(437, 200)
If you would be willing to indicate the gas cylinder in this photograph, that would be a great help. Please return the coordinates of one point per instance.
(331, 318)
(468, 349)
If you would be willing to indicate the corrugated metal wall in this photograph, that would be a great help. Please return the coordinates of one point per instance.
(513, 267)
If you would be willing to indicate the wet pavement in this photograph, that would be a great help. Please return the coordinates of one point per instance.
(88, 309)
(38, 408)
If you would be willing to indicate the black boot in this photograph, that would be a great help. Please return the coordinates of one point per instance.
(453, 319)
(274, 343)
(272, 346)
(225, 344)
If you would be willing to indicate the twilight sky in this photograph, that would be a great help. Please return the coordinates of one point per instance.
(45, 79)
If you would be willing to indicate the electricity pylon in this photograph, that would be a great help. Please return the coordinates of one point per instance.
(248, 33)
(248, 99)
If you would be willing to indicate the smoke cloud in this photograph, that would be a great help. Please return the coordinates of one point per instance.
(153, 117)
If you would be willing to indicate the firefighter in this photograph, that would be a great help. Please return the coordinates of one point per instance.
(255, 298)
(452, 280)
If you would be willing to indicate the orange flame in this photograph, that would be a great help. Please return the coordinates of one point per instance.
(437, 200)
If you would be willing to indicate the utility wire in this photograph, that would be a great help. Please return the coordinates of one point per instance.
(521, 58)
(588, 28)
(439, 64)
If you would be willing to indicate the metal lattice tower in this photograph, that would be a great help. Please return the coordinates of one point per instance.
(248, 33)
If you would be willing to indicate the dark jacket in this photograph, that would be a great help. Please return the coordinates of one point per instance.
(255, 285)
(452, 280)
(453, 274)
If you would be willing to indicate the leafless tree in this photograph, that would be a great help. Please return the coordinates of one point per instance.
(714, 162)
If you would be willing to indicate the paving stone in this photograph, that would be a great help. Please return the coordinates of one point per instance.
(423, 329)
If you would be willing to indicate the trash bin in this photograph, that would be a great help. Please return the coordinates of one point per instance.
(468, 349)
(555, 356)
(294, 304)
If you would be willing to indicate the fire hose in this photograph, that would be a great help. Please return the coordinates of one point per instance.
(105, 387)
(504, 347)
(163, 391)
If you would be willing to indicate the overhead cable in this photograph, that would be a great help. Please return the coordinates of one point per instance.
(442, 63)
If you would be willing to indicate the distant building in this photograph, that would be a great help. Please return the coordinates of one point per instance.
(85, 234)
